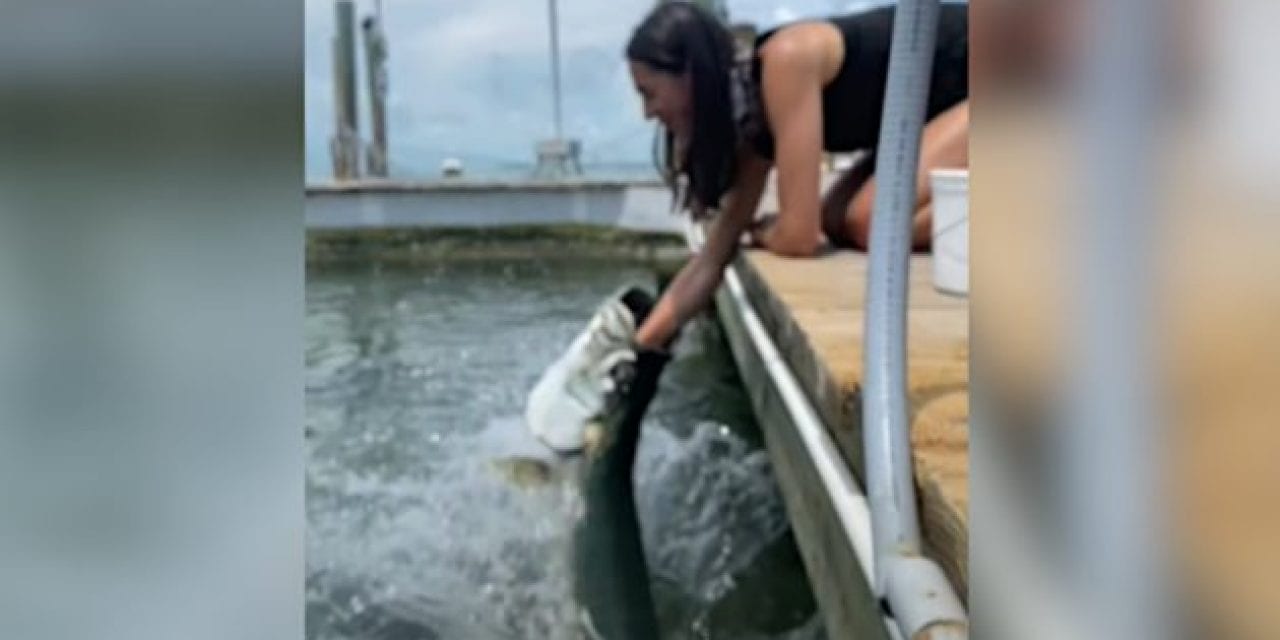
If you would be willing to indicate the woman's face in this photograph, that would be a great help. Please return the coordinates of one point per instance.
(666, 96)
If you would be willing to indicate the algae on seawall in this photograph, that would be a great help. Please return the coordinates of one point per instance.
(422, 245)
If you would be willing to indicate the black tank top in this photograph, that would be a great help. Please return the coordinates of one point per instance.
(853, 100)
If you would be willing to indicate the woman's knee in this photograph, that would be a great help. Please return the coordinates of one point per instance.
(858, 216)
(859, 224)
(842, 199)
(945, 140)
(944, 144)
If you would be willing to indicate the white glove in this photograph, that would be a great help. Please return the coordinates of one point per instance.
(576, 388)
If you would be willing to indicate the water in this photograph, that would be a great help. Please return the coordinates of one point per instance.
(416, 380)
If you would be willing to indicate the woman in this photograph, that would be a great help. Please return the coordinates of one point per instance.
(806, 87)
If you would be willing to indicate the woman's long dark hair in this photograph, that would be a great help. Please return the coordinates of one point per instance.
(678, 38)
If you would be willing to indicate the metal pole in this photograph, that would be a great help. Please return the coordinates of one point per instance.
(555, 67)
(347, 62)
(917, 592)
(347, 137)
(336, 143)
(375, 54)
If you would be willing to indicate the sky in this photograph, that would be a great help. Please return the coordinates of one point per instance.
(472, 79)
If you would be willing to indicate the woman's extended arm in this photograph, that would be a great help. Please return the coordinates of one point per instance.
(696, 283)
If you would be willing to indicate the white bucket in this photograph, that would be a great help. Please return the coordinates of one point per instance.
(951, 230)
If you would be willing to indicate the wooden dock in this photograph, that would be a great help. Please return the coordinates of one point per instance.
(813, 309)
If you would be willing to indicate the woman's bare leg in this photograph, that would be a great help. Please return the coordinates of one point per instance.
(835, 202)
(944, 144)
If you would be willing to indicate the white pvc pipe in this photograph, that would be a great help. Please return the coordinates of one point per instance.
(886, 432)
(916, 590)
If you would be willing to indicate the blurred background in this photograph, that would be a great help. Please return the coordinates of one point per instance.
(1124, 278)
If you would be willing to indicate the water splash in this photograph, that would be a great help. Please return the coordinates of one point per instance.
(707, 504)
(413, 386)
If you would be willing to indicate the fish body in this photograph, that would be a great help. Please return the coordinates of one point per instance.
(611, 575)
(589, 405)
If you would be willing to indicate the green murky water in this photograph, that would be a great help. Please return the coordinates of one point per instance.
(416, 380)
